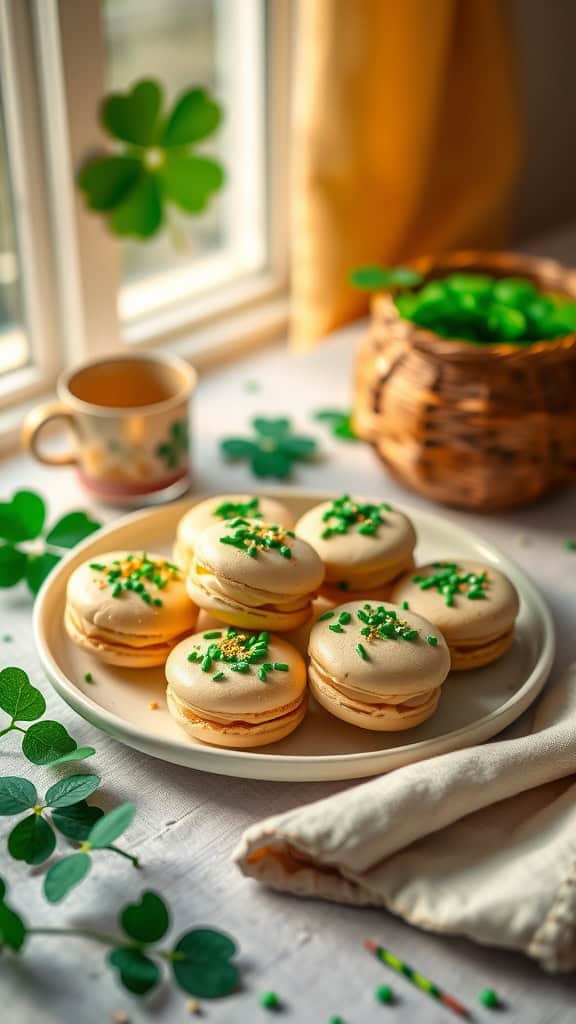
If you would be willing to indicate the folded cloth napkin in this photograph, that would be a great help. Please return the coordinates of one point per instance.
(480, 842)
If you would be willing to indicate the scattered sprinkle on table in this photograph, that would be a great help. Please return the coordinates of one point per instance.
(120, 1017)
(270, 1001)
(193, 1006)
(88, 677)
(384, 994)
(7, 638)
(153, 705)
(417, 979)
(489, 998)
(336, 1020)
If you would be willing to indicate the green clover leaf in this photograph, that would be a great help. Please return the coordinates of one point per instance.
(32, 840)
(76, 821)
(38, 568)
(156, 167)
(13, 564)
(71, 529)
(12, 928)
(202, 963)
(71, 790)
(18, 697)
(46, 742)
(146, 921)
(22, 518)
(64, 875)
(339, 422)
(16, 795)
(138, 973)
(111, 826)
(274, 449)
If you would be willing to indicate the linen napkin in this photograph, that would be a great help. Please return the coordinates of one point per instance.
(480, 842)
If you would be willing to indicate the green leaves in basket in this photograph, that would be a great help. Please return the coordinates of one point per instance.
(45, 742)
(375, 278)
(273, 449)
(155, 166)
(22, 520)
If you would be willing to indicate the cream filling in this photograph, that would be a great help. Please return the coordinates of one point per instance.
(274, 715)
(370, 578)
(240, 596)
(479, 644)
(382, 708)
(116, 639)
(352, 694)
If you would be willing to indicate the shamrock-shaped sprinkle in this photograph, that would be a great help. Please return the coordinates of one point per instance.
(344, 513)
(339, 422)
(273, 450)
(174, 450)
(449, 580)
(154, 165)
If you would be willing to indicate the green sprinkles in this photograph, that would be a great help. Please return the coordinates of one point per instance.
(325, 616)
(214, 634)
(343, 514)
(135, 573)
(432, 640)
(270, 1001)
(336, 627)
(384, 994)
(237, 650)
(218, 676)
(255, 537)
(450, 581)
(281, 666)
(405, 606)
(489, 998)
(361, 650)
(88, 677)
(344, 618)
(378, 623)
(232, 509)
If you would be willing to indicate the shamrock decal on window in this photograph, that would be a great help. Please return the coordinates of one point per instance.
(273, 450)
(154, 164)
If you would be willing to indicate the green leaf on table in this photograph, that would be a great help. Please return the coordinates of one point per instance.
(65, 875)
(22, 518)
(38, 568)
(18, 698)
(12, 927)
(148, 920)
(76, 821)
(32, 840)
(47, 741)
(134, 116)
(140, 214)
(202, 965)
(374, 278)
(190, 181)
(16, 795)
(79, 754)
(111, 826)
(274, 448)
(13, 565)
(71, 790)
(138, 973)
(275, 464)
(71, 529)
(194, 116)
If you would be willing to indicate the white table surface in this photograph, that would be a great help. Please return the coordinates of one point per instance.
(188, 823)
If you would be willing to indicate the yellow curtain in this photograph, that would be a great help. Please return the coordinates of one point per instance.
(406, 142)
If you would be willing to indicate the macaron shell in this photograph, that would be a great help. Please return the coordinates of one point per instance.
(90, 596)
(466, 621)
(238, 695)
(384, 718)
(244, 617)
(375, 558)
(121, 653)
(463, 659)
(393, 666)
(270, 572)
(202, 516)
(235, 734)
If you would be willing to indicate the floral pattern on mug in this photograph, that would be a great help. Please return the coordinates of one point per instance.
(173, 450)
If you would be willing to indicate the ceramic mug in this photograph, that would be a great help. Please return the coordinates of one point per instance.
(128, 420)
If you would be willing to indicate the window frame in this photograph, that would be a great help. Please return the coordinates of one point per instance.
(52, 55)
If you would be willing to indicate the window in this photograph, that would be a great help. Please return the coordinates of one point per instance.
(68, 288)
(218, 44)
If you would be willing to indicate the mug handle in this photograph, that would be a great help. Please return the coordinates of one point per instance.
(33, 426)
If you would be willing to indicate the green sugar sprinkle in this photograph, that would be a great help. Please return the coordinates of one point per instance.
(380, 623)
(432, 640)
(325, 616)
(214, 634)
(405, 606)
(97, 566)
(238, 650)
(134, 573)
(206, 663)
(344, 513)
(88, 677)
(450, 581)
(336, 627)
(344, 618)
(262, 674)
(254, 537)
(232, 509)
(218, 677)
(361, 650)
(281, 666)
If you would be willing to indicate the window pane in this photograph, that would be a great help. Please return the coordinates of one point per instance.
(14, 351)
(218, 44)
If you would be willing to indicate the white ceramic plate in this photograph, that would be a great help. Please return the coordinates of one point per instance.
(474, 705)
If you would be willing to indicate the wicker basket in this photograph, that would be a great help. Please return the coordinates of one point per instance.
(479, 427)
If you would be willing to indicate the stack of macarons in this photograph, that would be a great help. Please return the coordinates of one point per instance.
(376, 661)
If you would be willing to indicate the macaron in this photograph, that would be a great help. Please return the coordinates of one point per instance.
(473, 604)
(364, 546)
(255, 575)
(377, 666)
(128, 608)
(236, 689)
(224, 506)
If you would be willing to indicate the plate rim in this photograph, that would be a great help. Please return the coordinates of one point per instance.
(91, 711)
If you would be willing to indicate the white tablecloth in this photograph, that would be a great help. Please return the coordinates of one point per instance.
(188, 823)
